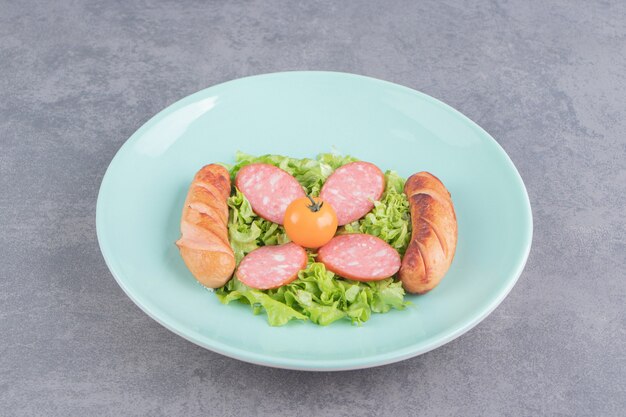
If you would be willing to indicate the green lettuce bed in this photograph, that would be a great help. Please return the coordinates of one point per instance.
(317, 295)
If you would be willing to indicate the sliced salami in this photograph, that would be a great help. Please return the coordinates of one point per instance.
(360, 257)
(351, 190)
(271, 266)
(269, 190)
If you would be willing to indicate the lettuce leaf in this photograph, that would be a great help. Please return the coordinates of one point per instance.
(335, 160)
(278, 313)
(320, 296)
(317, 294)
(247, 231)
(390, 218)
(311, 173)
(393, 183)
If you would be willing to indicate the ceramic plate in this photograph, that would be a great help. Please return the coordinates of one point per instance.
(301, 114)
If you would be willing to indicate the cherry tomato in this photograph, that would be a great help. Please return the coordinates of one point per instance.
(310, 223)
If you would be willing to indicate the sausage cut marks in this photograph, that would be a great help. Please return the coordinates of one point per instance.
(269, 190)
(360, 257)
(434, 236)
(271, 266)
(204, 235)
(351, 190)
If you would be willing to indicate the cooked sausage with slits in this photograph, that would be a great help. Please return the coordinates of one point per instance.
(204, 242)
(433, 240)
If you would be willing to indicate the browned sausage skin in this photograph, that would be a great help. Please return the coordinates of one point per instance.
(204, 244)
(433, 240)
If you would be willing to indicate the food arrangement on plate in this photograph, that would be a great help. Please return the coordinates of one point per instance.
(320, 239)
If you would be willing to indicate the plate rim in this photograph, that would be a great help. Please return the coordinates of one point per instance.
(324, 364)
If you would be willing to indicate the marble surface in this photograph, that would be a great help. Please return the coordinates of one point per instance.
(546, 78)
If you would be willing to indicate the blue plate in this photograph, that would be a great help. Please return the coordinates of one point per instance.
(301, 114)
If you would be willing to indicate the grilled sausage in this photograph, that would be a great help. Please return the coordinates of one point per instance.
(204, 244)
(433, 240)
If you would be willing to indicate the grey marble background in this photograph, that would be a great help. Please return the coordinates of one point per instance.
(546, 78)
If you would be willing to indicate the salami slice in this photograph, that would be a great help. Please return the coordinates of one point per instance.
(360, 257)
(351, 190)
(271, 266)
(268, 189)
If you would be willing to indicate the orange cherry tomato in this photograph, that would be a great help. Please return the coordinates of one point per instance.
(310, 224)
